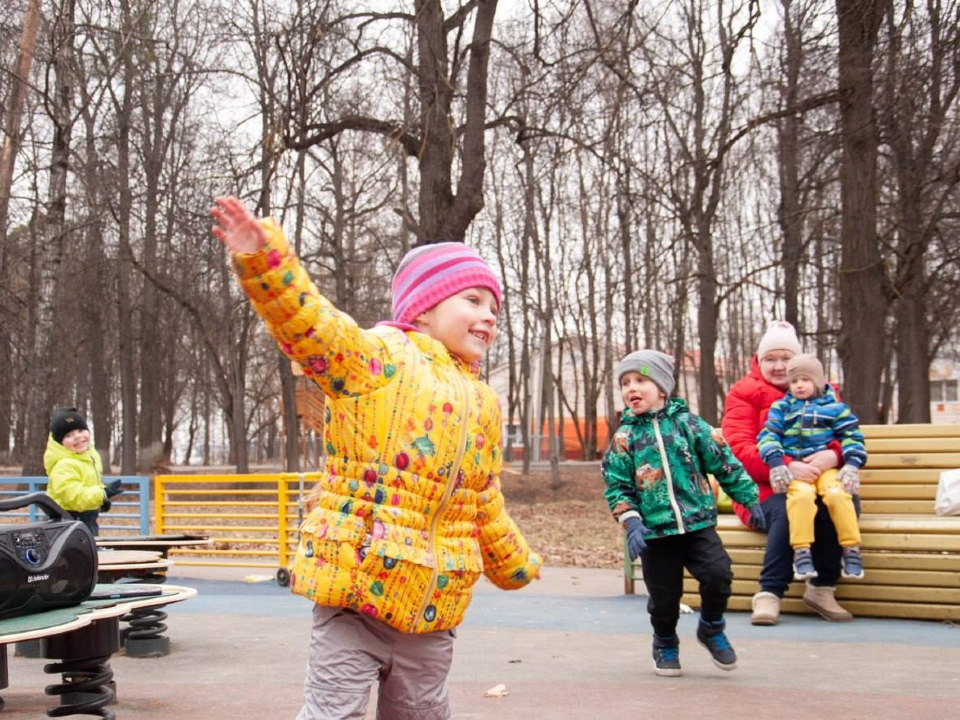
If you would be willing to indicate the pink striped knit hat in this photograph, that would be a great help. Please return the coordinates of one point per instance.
(430, 274)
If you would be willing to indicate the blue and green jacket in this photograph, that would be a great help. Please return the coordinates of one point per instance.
(799, 428)
(657, 465)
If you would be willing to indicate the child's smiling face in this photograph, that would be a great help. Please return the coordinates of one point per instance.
(465, 322)
(640, 393)
(77, 441)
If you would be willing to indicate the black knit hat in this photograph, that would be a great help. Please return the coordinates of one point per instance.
(64, 420)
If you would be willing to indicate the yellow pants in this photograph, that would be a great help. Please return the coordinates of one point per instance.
(802, 509)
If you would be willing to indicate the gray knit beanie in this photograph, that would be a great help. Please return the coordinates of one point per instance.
(655, 365)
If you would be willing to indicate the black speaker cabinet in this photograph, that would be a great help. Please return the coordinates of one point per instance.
(44, 565)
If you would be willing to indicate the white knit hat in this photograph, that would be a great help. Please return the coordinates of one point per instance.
(780, 335)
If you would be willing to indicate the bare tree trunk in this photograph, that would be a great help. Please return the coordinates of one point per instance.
(789, 213)
(11, 141)
(54, 366)
(97, 275)
(863, 299)
(443, 215)
(921, 89)
(125, 265)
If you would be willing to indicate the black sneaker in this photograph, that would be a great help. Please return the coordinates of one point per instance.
(852, 563)
(803, 568)
(666, 656)
(712, 637)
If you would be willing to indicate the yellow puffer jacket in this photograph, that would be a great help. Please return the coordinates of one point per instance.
(409, 512)
(75, 480)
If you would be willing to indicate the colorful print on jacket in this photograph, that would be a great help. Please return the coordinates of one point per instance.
(409, 512)
(75, 480)
(799, 428)
(657, 464)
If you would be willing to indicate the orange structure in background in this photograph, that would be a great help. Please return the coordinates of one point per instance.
(570, 441)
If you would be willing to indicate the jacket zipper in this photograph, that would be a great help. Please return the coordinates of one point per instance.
(447, 492)
(666, 468)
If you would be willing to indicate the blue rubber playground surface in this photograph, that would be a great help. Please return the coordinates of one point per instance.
(570, 646)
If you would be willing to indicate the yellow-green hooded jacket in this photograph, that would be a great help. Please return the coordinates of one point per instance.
(75, 479)
(409, 510)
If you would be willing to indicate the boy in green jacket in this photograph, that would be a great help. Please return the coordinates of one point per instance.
(73, 467)
(657, 488)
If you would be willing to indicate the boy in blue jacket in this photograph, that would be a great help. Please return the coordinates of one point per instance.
(808, 418)
(657, 488)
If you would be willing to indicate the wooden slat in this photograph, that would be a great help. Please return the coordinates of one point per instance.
(730, 526)
(899, 492)
(899, 507)
(873, 576)
(943, 460)
(913, 446)
(898, 523)
(916, 542)
(857, 591)
(906, 611)
(901, 476)
(920, 430)
(932, 562)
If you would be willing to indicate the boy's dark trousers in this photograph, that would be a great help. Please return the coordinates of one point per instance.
(702, 553)
(90, 518)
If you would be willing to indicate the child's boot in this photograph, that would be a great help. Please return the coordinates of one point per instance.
(666, 656)
(852, 563)
(803, 568)
(712, 637)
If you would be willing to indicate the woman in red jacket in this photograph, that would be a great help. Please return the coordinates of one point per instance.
(745, 411)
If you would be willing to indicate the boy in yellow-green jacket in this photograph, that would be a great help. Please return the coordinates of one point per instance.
(409, 513)
(73, 467)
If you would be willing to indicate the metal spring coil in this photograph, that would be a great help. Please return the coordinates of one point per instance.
(90, 676)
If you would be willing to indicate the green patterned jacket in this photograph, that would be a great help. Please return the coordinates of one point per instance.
(657, 465)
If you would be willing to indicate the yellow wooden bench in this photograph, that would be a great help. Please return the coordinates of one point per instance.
(910, 555)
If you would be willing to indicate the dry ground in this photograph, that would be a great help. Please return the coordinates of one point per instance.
(569, 526)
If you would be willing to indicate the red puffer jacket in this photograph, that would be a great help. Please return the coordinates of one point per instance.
(744, 413)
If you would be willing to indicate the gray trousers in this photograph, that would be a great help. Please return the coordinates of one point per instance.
(350, 651)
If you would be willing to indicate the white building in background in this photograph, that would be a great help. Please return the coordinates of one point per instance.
(944, 384)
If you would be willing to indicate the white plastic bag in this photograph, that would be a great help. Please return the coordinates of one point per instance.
(948, 493)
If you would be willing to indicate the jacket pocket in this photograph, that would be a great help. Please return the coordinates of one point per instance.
(402, 543)
(332, 537)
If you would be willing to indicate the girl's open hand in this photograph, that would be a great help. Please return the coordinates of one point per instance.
(237, 227)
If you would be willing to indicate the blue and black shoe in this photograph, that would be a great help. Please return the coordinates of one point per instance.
(852, 563)
(803, 568)
(666, 656)
(712, 637)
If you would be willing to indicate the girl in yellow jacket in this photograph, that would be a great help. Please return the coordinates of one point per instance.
(409, 513)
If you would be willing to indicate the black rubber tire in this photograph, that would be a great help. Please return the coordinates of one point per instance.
(283, 577)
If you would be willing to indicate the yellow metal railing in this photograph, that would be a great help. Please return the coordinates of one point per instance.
(252, 520)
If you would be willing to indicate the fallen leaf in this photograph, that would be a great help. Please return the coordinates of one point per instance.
(496, 691)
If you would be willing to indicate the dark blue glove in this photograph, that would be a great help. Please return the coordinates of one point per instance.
(757, 519)
(113, 488)
(635, 542)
